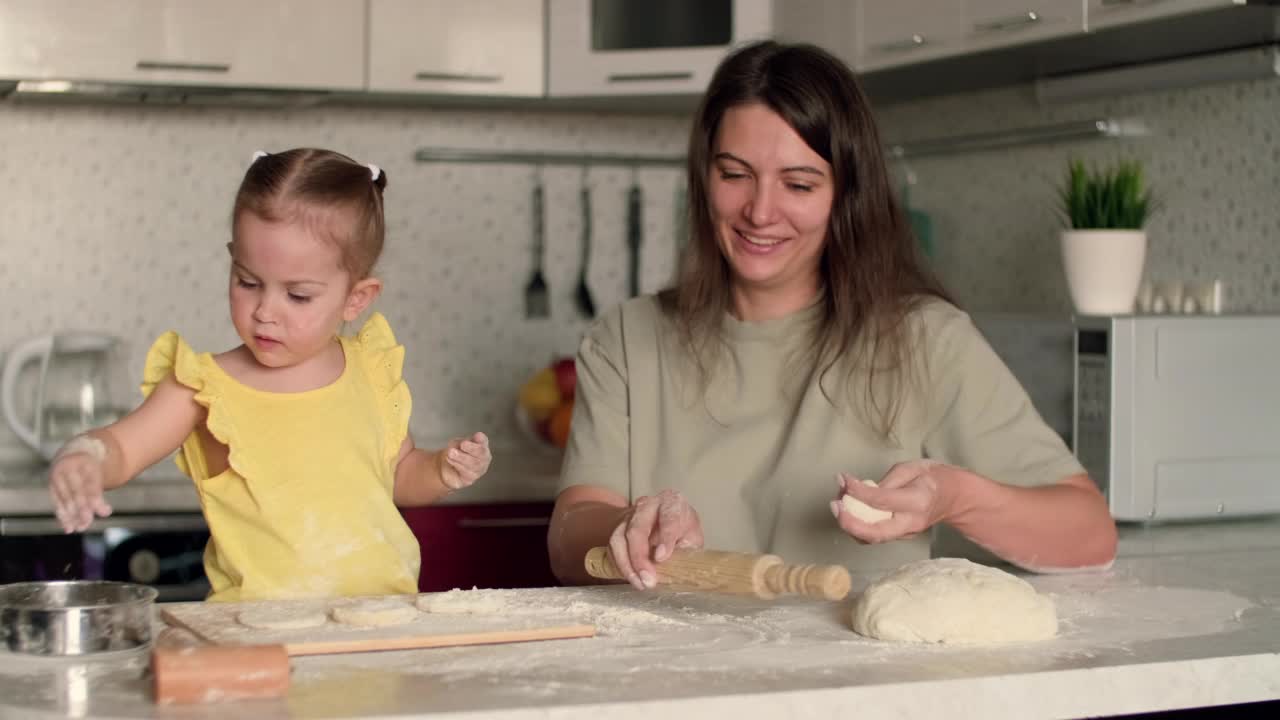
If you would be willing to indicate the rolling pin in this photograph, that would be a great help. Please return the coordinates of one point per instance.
(210, 673)
(764, 576)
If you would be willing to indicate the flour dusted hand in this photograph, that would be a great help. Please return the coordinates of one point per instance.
(652, 529)
(912, 492)
(75, 483)
(464, 460)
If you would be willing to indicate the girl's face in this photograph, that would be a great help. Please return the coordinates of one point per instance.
(289, 293)
(771, 197)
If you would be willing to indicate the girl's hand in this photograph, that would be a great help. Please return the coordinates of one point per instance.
(75, 485)
(912, 491)
(652, 528)
(464, 460)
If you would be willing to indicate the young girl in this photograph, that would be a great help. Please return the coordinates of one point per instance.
(298, 439)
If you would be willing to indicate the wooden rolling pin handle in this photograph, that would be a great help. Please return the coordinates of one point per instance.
(828, 582)
(600, 565)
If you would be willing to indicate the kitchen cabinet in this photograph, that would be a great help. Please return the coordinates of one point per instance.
(1101, 14)
(671, 47)
(991, 24)
(443, 47)
(901, 32)
(492, 545)
(303, 44)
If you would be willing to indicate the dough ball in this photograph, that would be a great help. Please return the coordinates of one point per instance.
(863, 511)
(375, 613)
(282, 618)
(475, 602)
(951, 600)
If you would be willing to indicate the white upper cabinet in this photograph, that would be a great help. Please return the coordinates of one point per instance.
(1000, 23)
(1109, 13)
(481, 47)
(306, 44)
(901, 32)
(656, 47)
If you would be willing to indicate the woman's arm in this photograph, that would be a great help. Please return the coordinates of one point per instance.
(1063, 526)
(639, 536)
(425, 476)
(584, 517)
(108, 457)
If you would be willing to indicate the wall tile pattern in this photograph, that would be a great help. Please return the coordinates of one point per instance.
(115, 218)
(1213, 156)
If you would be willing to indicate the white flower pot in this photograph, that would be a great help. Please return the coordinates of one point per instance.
(1104, 269)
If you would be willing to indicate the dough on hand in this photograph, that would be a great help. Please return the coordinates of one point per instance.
(951, 600)
(282, 618)
(863, 511)
(375, 613)
(475, 602)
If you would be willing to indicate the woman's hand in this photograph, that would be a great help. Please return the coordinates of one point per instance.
(464, 460)
(913, 491)
(652, 528)
(75, 485)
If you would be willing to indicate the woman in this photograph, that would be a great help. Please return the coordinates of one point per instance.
(805, 341)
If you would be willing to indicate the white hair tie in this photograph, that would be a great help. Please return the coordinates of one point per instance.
(258, 154)
(374, 171)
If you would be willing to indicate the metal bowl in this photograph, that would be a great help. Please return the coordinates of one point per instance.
(75, 617)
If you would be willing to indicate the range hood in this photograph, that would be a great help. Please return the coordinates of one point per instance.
(1177, 41)
(80, 91)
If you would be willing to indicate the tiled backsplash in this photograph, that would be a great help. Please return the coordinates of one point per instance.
(115, 217)
(1213, 157)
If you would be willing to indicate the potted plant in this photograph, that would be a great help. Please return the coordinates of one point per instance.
(1104, 245)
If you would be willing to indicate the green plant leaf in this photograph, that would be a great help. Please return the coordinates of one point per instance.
(1114, 197)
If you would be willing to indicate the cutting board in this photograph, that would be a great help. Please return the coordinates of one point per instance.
(218, 623)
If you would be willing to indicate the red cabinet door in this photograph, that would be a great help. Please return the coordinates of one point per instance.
(499, 545)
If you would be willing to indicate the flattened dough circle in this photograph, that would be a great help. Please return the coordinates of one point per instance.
(376, 613)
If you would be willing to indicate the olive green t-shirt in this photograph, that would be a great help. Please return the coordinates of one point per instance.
(756, 450)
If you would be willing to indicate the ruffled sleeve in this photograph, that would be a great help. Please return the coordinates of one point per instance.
(384, 359)
(171, 355)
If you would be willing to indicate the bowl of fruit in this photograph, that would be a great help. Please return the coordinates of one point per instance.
(544, 406)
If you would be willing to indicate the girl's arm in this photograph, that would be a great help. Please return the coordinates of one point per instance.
(108, 457)
(425, 476)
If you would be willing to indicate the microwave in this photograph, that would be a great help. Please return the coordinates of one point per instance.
(648, 47)
(1177, 417)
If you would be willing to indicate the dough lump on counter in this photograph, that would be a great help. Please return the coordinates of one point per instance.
(952, 600)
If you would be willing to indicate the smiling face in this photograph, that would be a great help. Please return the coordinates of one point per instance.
(289, 294)
(770, 197)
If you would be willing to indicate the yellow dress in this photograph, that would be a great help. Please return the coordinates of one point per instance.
(305, 507)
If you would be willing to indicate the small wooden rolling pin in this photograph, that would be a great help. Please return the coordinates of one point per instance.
(212, 673)
(764, 576)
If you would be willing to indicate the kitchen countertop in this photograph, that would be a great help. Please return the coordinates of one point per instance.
(1189, 617)
(516, 475)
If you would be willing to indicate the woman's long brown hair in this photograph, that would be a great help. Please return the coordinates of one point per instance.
(872, 272)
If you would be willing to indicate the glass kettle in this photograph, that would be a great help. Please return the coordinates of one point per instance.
(67, 394)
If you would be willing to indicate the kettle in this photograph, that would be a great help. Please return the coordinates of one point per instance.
(70, 393)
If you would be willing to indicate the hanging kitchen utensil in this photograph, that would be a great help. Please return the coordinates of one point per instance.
(586, 304)
(634, 238)
(536, 302)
